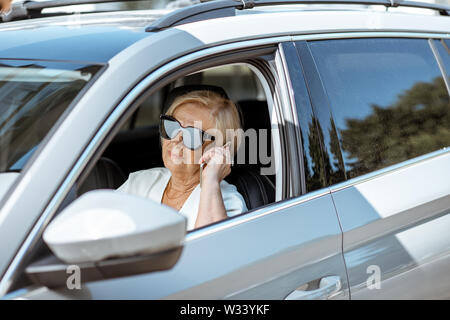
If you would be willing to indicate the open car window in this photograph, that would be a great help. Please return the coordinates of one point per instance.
(137, 145)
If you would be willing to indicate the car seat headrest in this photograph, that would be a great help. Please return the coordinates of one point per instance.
(179, 91)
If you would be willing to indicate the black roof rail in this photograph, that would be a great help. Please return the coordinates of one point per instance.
(28, 9)
(197, 12)
(210, 9)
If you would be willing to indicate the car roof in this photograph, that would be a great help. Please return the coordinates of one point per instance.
(97, 37)
(91, 37)
(311, 24)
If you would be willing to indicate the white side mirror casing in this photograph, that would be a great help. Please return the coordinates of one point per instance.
(107, 223)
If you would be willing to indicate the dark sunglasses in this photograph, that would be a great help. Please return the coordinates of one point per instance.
(193, 138)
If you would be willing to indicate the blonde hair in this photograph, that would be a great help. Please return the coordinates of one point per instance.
(223, 110)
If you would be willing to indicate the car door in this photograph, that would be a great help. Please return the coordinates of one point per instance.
(289, 249)
(388, 102)
(266, 254)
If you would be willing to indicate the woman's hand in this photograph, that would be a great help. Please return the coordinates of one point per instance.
(218, 164)
(5, 5)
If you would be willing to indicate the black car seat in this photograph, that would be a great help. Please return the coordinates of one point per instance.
(106, 174)
(256, 189)
(255, 116)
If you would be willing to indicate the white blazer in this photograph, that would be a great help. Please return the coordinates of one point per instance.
(151, 184)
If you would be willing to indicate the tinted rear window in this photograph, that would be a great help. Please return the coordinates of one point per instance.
(388, 99)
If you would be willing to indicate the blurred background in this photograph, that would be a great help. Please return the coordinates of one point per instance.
(162, 4)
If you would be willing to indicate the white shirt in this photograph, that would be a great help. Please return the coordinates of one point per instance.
(151, 184)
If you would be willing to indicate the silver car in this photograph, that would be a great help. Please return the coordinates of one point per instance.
(346, 107)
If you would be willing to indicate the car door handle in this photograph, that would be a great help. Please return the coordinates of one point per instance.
(327, 287)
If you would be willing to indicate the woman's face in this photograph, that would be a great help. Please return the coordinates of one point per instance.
(177, 157)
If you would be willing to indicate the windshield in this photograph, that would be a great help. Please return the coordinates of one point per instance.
(33, 95)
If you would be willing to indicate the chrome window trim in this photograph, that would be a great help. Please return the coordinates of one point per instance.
(371, 34)
(274, 121)
(283, 104)
(255, 214)
(440, 63)
(71, 177)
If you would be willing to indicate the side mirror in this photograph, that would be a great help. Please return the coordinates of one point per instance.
(110, 234)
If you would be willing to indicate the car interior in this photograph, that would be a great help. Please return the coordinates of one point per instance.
(137, 146)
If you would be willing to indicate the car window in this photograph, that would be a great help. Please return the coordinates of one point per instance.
(388, 99)
(33, 95)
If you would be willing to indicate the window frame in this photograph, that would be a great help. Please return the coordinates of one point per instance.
(246, 57)
(434, 43)
(326, 107)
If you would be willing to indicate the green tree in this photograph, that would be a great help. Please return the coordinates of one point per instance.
(416, 124)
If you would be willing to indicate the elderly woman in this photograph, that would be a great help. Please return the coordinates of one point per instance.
(195, 149)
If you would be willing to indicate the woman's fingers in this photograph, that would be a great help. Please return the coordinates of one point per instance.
(227, 153)
(218, 155)
(219, 163)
